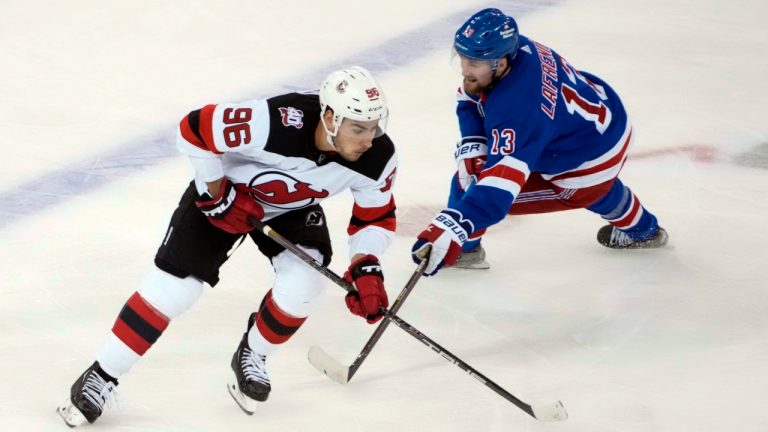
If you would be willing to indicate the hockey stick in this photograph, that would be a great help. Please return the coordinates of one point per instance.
(550, 412)
(342, 374)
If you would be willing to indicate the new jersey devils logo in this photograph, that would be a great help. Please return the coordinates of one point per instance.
(314, 218)
(292, 117)
(283, 191)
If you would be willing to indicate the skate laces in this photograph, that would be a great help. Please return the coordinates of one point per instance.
(620, 238)
(100, 392)
(254, 366)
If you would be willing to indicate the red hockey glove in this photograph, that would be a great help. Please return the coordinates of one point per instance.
(231, 209)
(470, 160)
(365, 274)
(447, 232)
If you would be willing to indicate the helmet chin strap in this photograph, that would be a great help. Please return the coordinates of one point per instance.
(329, 136)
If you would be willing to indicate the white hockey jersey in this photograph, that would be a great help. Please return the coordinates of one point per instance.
(268, 144)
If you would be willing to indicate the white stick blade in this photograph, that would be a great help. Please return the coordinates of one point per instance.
(328, 365)
(551, 413)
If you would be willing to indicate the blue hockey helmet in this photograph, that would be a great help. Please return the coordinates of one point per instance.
(487, 35)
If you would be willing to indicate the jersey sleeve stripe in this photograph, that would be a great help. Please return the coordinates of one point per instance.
(197, 128)
(382, 217)
(388, 224)
(512, 187)
(206, 127)
(508, 174)
(372, 213)
(188, 127)
(193, 120)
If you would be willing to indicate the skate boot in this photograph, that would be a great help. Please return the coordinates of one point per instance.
(614, 238)
(474, 259)
(251, 380)
(90, 394)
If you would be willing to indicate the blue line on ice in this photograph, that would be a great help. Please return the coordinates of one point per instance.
(84, 176)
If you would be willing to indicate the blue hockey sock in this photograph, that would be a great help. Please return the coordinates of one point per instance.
(622, 209)
(470, 245)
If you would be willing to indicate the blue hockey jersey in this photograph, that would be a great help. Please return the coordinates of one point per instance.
(544, 116)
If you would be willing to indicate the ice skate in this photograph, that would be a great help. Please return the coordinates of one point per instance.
(251, 383)
(474, 259)
(614, 238)
(90, 395)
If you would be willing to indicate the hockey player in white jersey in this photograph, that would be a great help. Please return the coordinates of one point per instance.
(274, 159)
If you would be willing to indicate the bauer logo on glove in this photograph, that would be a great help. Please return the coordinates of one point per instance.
(445, 235)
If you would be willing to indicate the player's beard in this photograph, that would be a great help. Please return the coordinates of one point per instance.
(473, 86)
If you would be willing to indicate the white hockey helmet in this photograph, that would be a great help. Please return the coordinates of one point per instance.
(353, 93)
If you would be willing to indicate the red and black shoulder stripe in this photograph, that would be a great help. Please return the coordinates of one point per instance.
(197, 128)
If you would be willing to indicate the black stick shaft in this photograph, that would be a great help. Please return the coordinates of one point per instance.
(385, 323)
(411, 330)
(284, 242)
(421, 337)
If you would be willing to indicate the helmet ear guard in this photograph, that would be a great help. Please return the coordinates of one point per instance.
(354, 94)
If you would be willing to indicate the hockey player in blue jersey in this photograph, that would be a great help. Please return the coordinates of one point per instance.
(538, 136)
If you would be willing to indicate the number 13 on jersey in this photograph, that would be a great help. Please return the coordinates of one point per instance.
(503, 142)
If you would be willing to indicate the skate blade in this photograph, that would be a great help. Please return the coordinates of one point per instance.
(482, 265)
(245, 403)
(71, 415)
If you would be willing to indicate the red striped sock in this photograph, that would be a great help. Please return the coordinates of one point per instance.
(275, 325)
(139, 325)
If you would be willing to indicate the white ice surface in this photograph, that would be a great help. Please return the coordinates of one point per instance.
(667, 340)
